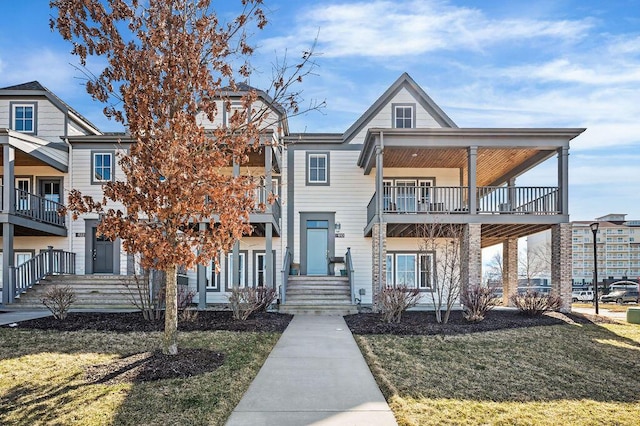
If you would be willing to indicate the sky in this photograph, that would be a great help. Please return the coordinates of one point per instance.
(519, 63)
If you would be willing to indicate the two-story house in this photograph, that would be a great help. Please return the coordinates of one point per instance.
(350, 206)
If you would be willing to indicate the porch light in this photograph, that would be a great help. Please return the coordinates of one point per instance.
(594, 228)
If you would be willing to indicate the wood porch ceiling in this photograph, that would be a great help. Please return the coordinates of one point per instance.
(23, 159)
(493, 234)
(493, 164)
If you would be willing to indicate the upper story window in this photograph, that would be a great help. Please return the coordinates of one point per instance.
(23, 117)
(403, 116)
(102, 167)
(318, 168)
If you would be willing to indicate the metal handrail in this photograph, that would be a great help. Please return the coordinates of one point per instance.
(46, 263)
(348, 264)
(286, 266)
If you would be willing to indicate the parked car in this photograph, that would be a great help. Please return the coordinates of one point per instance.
(582, 296)
(621, 296)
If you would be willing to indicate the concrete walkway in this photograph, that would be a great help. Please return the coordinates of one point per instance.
(10, 317)
(315, 375)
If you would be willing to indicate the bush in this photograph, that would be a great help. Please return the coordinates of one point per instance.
(395, 300)
(58, 300)
(185, 298)
(477, 301)
(141, 295)
(533, 303)
(247, 300)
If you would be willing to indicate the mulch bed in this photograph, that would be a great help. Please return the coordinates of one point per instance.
(151, 366)
(424, 323)
(133, 321)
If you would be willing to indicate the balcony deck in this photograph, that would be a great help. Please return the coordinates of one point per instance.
(33, 215)
(502, 211)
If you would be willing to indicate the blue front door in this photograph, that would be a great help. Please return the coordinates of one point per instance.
(317, 261)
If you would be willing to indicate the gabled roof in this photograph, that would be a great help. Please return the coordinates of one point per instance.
(32, 88)
(243, 88)
(404, 81)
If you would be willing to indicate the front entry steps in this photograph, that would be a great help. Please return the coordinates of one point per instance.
(92, 292)
(318, 295)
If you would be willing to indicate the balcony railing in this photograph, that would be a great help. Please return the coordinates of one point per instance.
(454, 199)
(35, 207)
(262, 199)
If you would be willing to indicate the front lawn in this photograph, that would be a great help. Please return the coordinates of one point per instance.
(578, 374)
(89, 377)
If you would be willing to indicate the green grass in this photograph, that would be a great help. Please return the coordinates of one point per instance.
(613, 307)
(42, 379)
(571, 374)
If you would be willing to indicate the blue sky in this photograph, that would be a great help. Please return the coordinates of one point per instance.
(552, 63)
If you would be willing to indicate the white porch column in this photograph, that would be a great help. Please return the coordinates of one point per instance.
(472, 160)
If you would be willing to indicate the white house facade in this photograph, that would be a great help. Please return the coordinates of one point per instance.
(351, 208)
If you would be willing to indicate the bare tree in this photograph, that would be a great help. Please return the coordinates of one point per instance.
(443, 242)
(532, 264)
(494, 269)
(168, 64)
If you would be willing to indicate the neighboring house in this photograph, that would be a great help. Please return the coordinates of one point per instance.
(618, 247)
(354, 201)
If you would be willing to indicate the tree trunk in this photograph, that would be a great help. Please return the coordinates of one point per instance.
(170, 343)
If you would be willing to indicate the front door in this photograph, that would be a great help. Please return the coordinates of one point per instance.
(102, 254)
(317, 247)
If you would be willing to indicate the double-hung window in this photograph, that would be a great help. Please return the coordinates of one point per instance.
(318, 168)
(23, 118)
(102, 167)
(426, 271)
(406, 270)
(241, 269)
(403, 116)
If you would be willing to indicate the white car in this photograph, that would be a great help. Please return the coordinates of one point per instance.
(582, 296)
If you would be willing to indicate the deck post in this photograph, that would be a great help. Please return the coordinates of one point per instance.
(268, 258)
(202, 278)
(472, 160)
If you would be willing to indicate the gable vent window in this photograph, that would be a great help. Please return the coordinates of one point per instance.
(403, 117)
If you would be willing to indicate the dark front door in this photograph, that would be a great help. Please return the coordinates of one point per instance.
(102, 254)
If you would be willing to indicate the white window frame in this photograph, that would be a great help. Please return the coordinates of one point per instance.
(14, 119)
(23, 202)
(213, 277)
(400, 281)
(404, 120)
(94, 177)
(260, 272)
(318, 156)
(243, 262)
(428, 285)
(233, 108)
(390, 270)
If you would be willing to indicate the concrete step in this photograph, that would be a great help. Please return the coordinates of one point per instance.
(315, 309)
(319, 297)
(327, 291)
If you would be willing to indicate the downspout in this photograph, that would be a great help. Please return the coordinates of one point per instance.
(69, 218)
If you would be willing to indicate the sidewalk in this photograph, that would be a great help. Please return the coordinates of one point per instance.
(9, 317)
(314, 375)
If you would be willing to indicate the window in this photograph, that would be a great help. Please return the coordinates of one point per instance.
(235, 108)
(23, 193)
(23, 117)
(22, 257)
(403, 116)
(50, 191)
(406, 270)
(426, 271)
(389, 270)
(317, 168)
(241, 267)
(261, 269)
(102, 167)
(213, 276)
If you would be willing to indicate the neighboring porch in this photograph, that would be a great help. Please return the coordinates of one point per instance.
(25, 212)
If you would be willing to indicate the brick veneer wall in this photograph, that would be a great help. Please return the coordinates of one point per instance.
(561, 263)
(471, 256)
(509, 270)
(379, 253)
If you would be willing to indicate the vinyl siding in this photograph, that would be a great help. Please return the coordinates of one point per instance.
(384, 118)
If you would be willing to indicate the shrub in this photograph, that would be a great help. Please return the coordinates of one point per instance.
(245, 301)
(395, 300)
(533, 303)
(477, 301)
(141, 295)
(58, 300)
(185, 298)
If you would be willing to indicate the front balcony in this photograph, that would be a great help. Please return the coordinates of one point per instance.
(503, 209)
(32, 214)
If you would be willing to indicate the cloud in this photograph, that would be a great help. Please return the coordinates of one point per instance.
(400, 28)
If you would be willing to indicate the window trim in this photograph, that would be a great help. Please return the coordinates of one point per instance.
(95, 181)
(394, 108)
(212, 276)
(12, 116)
(418, 254)
(244, 277)
(308, 181)
(256, 254)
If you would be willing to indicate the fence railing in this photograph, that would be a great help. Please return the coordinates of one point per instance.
(286, 267)
(455, 199)
(50, 262)
(348, 264)
(262, 198)
(37, 208)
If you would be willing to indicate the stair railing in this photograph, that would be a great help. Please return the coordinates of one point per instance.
(46, 263)
(348, 264)
(286, 266)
